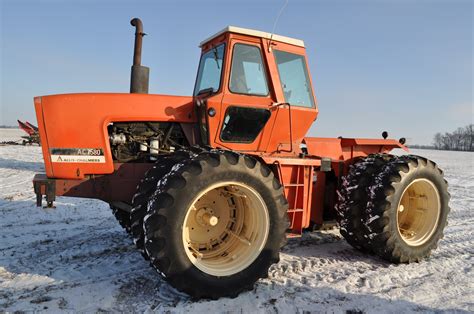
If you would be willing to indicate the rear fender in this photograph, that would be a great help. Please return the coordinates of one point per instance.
(343, 151)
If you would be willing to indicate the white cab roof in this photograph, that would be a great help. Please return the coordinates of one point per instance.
(255, 33)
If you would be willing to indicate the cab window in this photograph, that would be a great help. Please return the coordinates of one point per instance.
(210, 69)
(294, 78)
(247, 75)
(243, 124)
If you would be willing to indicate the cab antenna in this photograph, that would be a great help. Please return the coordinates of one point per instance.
(275, 24)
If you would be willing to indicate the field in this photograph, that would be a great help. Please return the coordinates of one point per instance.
(77, 257)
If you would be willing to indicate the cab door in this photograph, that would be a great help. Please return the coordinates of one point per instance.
(296, 107)
(246, 104)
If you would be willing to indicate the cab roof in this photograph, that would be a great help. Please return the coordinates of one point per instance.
(255, 33)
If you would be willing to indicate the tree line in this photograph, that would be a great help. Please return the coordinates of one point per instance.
(462, 139)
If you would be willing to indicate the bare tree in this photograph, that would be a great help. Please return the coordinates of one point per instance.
(437, 140)
(461, 139)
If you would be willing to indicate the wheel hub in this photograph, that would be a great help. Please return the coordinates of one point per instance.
(205, 217)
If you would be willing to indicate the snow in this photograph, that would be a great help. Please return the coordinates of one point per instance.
(373, 218)
(76, 257)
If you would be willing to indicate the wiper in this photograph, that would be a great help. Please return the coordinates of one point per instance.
(216, 57)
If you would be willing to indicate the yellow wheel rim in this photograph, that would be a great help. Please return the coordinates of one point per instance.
(418, 212)
(225, 228)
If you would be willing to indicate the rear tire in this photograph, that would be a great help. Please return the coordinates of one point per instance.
(216, 224)
(353, 196)
(407, 209)
(394, 207)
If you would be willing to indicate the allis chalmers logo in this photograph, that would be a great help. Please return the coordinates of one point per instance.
(77, 155)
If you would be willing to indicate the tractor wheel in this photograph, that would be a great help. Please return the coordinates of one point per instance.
(353, 196)
(145, 189)
(122, 217)
(407, 209)
(216, 224)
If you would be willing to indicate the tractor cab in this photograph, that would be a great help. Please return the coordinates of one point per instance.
(253, 92)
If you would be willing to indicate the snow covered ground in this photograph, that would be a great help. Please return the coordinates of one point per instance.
(77, 257)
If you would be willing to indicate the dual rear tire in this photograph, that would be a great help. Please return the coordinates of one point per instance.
(395, 207)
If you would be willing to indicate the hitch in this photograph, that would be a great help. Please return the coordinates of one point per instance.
(47, 187)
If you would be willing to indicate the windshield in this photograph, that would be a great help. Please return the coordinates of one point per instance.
(210, 68)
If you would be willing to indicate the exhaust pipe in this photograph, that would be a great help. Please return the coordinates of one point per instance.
(140, 74)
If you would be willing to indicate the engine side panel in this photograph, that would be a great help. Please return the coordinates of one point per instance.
(73, 127)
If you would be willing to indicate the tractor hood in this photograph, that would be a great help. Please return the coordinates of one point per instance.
(76, 125)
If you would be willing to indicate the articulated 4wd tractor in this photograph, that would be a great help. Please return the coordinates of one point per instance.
(210, 186)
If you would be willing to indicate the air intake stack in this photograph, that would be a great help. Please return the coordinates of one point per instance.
(140, 74)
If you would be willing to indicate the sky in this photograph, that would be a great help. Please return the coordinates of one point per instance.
(401, 66)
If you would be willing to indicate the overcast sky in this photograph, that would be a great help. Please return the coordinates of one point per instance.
(401, 66)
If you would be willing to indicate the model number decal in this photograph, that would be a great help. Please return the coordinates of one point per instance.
(84, 155)
(77, 151)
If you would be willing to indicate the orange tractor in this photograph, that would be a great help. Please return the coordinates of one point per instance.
(210, 186)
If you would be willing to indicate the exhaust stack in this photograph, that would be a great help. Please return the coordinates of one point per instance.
(140, 74)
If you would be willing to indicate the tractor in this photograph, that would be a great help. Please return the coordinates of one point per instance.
(210, 186)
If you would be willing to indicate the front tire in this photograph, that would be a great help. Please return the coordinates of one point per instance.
(145, 189)
(122, 216)
(216, 225)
